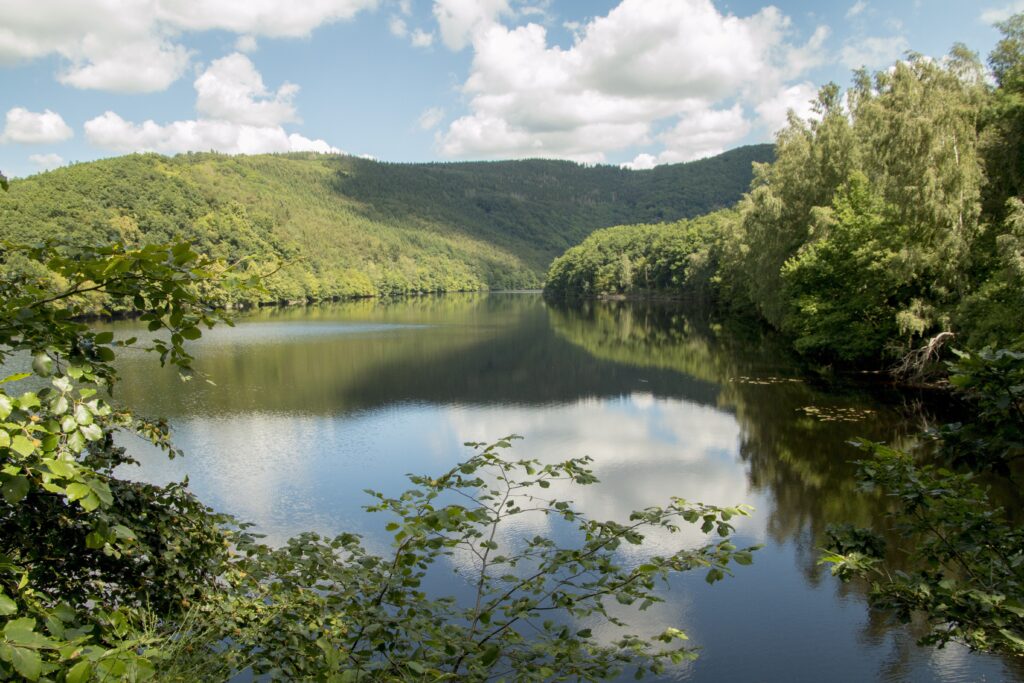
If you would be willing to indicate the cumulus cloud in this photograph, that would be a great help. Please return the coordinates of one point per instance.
(46, 161)
(873, 52)
(992, 15)
(773, 112)
(644, 65)
(240, 116)
(459, 20)
(231, 89)
(704, 133)
(29, 127)
(700, 134)
(112, 132)
(131, 67)
(131, 46)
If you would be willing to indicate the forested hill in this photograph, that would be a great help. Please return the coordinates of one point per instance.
(537, 208)
(345, 226)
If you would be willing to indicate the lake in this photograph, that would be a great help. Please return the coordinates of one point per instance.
(306, 407)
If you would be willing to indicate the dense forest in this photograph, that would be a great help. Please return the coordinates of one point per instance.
(333, 226)
(890, 216)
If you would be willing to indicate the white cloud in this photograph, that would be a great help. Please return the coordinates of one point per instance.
(132, 67)
(240, 117)
(417, 37)
(246, 43)
(29, 127)
(430, 118)
(46, 161)
(270, 18)
(421, 38)
(773, 112)
(873, 53)
(231, 89)
(856, 8)
(994, 15)
(398, 27)
(703, 133)
(131, 46)
(460, 20)
(112, 132)
(613, 87)
(642, 162)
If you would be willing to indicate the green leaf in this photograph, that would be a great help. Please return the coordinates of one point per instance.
(76, 441)
(5, 439)
(5, 406)
(191, 333)
(83, 415)
(90, 502)
(14, 489)
(22, 632)
(490, 655)
(42, 365)
(15, 377)
(77, 491)
(22, 445)
(7, 606)
(27, 662)
(92, 432)
(60, 405)
(79, 673)
(103, 338)
(28, 400)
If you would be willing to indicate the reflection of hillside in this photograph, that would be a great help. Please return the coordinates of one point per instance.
(495, 349)
(802, 459)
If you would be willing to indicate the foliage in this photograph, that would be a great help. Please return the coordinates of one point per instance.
(678, 259)
(319, 606)
(993, 384)
(844, 282)
(83, 554)
(964, 554)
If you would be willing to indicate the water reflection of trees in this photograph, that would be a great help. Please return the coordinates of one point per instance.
(794, 430)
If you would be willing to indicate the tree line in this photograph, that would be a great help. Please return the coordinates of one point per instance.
(332, 227)
(891, 215)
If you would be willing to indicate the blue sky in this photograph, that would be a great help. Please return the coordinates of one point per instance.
(637, 82)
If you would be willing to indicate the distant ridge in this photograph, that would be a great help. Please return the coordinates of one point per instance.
(355, 227)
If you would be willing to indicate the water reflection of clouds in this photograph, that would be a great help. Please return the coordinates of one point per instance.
(288, 474)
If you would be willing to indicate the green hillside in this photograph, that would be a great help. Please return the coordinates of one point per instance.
(341, 226)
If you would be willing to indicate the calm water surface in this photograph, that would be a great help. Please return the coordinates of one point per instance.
(311, 406)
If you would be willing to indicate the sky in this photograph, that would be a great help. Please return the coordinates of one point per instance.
(630, 82)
